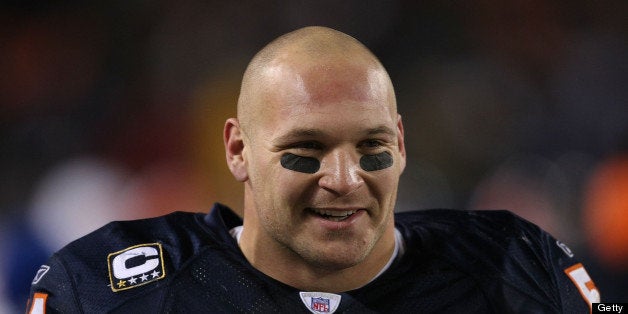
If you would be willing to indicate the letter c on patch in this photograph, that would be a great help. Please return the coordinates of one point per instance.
(120, 269)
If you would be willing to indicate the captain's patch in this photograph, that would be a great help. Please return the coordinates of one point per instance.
(135, 266)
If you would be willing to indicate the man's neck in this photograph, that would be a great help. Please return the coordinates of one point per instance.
(290, 269)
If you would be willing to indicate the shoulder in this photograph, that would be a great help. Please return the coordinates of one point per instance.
(448, 218)
(503, 253)
(179, 233)
(482, 227)
(491, 236)
(122, 255)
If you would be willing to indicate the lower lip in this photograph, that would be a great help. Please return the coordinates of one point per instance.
(342, 224)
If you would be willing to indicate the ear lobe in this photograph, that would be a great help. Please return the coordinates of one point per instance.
(234, 149)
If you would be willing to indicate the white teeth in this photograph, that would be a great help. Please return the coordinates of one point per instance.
(335, 213)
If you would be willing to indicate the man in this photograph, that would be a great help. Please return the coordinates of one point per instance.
(319, 146)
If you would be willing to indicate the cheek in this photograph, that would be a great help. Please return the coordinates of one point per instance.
(293, 188)
(265, 179)
(384, 183)
(257, 169)
(281, 188)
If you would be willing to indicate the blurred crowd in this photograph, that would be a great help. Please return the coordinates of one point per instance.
(114, 110)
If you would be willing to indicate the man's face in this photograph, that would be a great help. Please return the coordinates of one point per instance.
(323, 159)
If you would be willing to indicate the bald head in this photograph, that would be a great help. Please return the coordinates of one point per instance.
(319, 54)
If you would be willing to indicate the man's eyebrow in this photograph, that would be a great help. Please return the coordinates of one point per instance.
(304, 133)
(299, 133)
(381, 130)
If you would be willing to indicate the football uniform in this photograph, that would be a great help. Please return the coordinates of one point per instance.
(453, 261)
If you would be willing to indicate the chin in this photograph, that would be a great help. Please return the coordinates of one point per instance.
(335, 264)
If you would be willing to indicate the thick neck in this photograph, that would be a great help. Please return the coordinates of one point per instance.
(284, 265)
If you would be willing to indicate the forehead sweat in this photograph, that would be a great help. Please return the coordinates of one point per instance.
(303, 164)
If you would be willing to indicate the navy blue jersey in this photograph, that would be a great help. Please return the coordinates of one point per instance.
(454, 261)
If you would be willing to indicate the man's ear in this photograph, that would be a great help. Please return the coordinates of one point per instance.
(234, 148)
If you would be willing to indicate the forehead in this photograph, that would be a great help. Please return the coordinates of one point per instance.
(336, 93)
(350, 120)
(331, 83)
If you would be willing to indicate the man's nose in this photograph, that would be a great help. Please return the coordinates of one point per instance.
(340, 173)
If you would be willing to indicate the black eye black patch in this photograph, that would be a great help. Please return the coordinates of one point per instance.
(375, 162)
(299, 163)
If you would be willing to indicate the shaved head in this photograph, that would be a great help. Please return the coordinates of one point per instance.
(317, 130)
(307, 50)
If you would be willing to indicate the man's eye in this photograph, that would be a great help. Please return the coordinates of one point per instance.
(371, 144)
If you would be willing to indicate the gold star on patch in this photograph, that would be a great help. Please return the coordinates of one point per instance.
(121, 283)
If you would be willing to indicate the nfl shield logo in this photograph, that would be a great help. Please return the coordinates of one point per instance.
(320, 305)
(320, 302)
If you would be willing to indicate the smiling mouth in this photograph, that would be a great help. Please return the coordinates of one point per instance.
(333, 215)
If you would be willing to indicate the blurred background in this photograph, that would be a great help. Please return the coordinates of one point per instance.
(114, 110)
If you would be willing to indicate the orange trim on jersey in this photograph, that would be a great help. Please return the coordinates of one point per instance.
(38, 304)
(585, 285)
